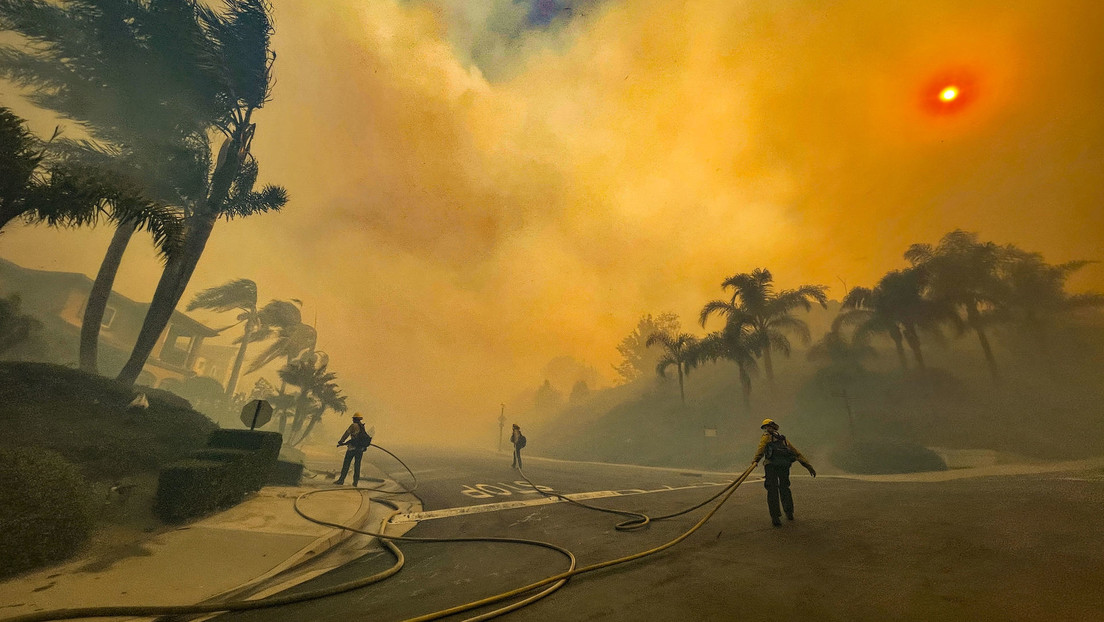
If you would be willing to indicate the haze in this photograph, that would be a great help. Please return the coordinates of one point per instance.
(479, 187)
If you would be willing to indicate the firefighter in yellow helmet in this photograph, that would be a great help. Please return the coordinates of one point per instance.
(778, 454)
(356, 440)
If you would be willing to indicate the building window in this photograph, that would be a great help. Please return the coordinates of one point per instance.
(108, 317)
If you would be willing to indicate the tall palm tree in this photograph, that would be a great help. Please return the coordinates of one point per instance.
(129, 72)
(769, 315)
(964, 273)
(242, 59)
(241, 294)
(150, 81)
(678, 350)
(897, 307)
(736, 342)
(1034, 294)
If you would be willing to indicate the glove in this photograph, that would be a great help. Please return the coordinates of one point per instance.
(754, 463)
(812, 471)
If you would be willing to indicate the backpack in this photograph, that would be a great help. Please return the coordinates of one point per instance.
(520, 444)
(778, 450)
(360, 438)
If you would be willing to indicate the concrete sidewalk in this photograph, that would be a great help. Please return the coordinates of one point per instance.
(257, 547)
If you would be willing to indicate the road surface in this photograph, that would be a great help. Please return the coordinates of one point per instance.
(995, 548)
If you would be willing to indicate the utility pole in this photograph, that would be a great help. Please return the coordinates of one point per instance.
(501, 426)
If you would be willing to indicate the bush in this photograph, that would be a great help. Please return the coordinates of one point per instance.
(886, 456)
(235, 463)
(47, 510)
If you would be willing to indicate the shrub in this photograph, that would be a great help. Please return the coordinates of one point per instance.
(47, 510)
(235, 463)
(885, 456)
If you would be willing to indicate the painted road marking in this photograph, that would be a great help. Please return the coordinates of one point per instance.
(414, 517)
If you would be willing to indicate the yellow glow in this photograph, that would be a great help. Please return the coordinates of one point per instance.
(948, 94)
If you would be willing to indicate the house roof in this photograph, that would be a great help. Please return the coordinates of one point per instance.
(82, 281)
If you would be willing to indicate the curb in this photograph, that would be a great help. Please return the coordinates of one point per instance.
(306, 554)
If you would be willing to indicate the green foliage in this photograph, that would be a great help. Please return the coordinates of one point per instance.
(886, 456)
(636, 359)
(235, 463)
(84, 418)
(47, 510)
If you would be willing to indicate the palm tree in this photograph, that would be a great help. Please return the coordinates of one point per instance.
(896, 306)
(328, 398)
(65, 193)
(736, 342)
(242, 60)
(843, 365)
(241, 294)
(769, 315)
(130, 73)
(1034, 294)
(200, 70)
(965, 274)
(678, 350)
(311, 376)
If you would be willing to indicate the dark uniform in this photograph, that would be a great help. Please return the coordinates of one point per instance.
(515, 440)
(359, 441)
(777, 472)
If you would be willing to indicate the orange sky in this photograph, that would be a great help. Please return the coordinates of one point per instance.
(454, 233)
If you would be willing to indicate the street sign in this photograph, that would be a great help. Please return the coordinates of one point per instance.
(256, 413)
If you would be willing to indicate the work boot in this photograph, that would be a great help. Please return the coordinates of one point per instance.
(789, 516)
(775, 521)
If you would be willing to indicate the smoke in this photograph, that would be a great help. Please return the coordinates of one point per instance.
(477, 189)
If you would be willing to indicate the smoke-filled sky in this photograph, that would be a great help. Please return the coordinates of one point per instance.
(479, 186)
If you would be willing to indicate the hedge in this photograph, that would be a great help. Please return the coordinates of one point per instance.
(235, 463)
(47, 509)
(886, 456)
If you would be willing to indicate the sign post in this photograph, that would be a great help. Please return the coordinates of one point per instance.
(501, 425)
(256, 413)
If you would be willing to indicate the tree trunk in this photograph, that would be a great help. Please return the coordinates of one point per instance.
(745, 387)
(232, 383)
(310, 426)
(899, 342)
(174, 280)
(99, 295)
(178, 270)
(682, 392)
(768, 365)
(973, 318)
(914, 343)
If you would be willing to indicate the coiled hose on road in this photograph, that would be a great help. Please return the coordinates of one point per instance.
(551, 583)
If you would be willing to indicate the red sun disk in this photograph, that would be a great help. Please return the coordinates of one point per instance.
(931, 95)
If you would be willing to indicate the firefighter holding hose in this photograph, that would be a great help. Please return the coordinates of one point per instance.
(778, 454)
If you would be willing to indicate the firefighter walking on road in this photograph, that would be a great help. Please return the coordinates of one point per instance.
(778, 454)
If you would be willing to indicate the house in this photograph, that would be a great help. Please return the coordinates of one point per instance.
(58, 300)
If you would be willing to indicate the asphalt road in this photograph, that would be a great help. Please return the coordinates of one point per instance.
(1008, 548)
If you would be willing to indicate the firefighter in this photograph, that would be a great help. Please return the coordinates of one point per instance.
(357, 441)
(778, 454)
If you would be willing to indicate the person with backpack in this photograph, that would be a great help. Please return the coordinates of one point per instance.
(357, 441)
(778, 454)
(518, 440)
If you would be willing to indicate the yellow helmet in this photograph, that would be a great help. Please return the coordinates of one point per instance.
(767, 422)
(358, 416)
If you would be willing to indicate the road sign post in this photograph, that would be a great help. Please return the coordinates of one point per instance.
(256, 414)
(501, 426)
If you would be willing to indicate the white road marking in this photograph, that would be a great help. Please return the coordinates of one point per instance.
(414, 517)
